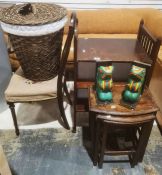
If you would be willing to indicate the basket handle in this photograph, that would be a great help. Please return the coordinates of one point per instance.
(27, 9)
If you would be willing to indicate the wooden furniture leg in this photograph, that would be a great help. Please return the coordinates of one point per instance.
(92, 127)
(67, 93)
(103, 145)
(159, 121)
(143, 140)
(74, 121)
(62, 111)
(95, 159)
(146, 130)
(75, 109)
(12, 109)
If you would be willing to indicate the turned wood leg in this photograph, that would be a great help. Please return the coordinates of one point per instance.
(12, 109)
(143, 140)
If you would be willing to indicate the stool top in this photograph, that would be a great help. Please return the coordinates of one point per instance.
(126, 120)
(146, 104)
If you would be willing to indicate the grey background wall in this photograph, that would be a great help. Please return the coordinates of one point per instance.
(5, 69)
(95, 4)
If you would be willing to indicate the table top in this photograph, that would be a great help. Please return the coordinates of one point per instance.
(117, 50)
(145, 105)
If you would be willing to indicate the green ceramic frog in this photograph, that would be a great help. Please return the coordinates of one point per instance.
(133, 89)
(104, 83)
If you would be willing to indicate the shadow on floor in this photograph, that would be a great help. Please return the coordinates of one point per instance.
(39, 112)
(58, 151)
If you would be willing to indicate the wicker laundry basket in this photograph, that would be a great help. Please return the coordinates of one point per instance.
(36, 33)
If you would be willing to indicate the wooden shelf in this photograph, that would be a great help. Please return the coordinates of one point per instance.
(84, 84)
(81, 108)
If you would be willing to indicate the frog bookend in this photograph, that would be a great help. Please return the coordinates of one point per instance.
(104, 83)
(132, 91)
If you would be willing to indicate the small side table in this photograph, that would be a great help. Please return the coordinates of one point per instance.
(145, 112)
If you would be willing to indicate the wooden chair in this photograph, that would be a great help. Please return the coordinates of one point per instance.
(21, 90)
(150, 44)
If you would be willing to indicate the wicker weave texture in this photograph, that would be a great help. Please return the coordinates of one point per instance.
(39, 56)
(36, 14)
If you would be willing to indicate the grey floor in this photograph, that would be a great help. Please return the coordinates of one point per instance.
(60, 152)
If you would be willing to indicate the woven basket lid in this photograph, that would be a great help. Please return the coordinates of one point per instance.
(32, 14)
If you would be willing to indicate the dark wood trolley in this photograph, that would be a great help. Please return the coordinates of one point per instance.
(121, 53)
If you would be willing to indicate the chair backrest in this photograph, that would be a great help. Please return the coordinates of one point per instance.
(66, 50)
(148, 41)
(150, 44)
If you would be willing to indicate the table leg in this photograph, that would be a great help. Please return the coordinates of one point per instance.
(92, 126)
(143, 140)
(103, 145)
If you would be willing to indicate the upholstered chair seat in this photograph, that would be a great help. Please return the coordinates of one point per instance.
(21, 89)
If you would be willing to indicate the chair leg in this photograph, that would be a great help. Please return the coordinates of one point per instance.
(132, 164)
(103, 144)
(67, 93)
(62, 111)
(12, 109)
